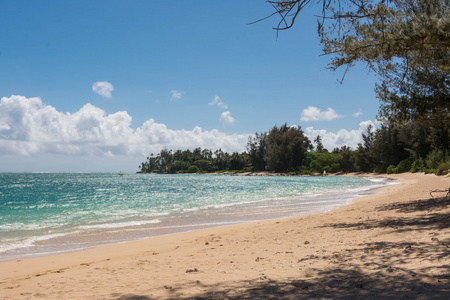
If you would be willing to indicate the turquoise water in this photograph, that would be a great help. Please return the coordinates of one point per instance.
(48, 213)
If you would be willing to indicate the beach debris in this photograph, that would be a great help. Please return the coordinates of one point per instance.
(286, 252)
(408, 248)
(306, 242)
(168, 287)
(311, 256)
(206, 243)
(193, 270)
(389, 269)
(440, 191)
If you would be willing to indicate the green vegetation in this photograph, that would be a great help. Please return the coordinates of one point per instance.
(196, 161)
(405, 42)
(389, 149)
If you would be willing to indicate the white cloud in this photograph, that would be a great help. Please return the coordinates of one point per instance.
(226, 118)
(357, 114)
(314, 114)
(218, 102)
(28, 127)
(175, 95)
(103, 88)
(35, 135)
(340, 138)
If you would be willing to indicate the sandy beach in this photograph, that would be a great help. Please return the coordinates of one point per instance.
(394, 244)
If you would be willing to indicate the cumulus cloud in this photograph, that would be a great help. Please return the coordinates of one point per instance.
(103, 88)
(314, 114)
(357, 114)
(28, 127)
(226, 118)
(175, 95)
(218, 102)
(340, 138)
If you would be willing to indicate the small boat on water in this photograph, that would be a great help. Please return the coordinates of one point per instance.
(120, 173)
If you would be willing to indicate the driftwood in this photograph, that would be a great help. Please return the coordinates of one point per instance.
(440, 191)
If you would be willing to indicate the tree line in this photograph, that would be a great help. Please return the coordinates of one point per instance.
(409, 147)
(196, 161)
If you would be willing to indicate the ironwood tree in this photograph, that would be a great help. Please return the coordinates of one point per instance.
(405, 42)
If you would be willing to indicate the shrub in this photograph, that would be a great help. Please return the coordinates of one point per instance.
(431, 171)
(434, 159)
(391, 169)
(248, 169)
(416, 166)
(203, 164)
(381, 168)
(443, 168)
(178, 165)
(404, 166)
(193, 169)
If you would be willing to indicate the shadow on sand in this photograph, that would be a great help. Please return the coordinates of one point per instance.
(343, 280)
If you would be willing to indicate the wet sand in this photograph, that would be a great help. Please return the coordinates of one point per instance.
(394, 244)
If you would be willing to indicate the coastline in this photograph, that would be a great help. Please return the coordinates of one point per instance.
(389, 244)
(146, 210)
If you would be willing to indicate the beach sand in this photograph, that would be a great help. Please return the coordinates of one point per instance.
(394, 244)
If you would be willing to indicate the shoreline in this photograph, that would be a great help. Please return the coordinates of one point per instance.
(388, 244)
(267, 207)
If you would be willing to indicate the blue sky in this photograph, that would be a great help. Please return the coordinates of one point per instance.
(99, 85)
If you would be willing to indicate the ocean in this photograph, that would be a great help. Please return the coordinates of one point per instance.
(50, 213)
